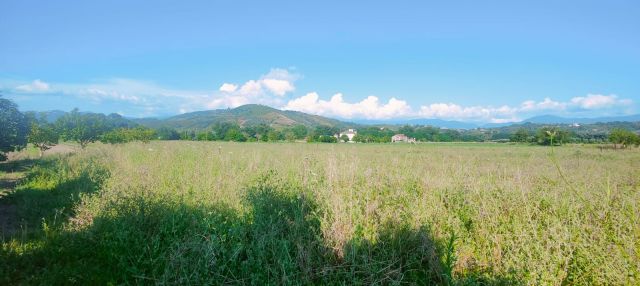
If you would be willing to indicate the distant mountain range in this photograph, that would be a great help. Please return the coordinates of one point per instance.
(542, 119)
(51, 115)
(246, 115)
(254, 114)
(451, 124)
(551, 119)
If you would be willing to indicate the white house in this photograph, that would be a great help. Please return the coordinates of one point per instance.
(350, 134)
(402, 138)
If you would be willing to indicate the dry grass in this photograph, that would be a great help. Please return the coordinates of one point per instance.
(211, 212)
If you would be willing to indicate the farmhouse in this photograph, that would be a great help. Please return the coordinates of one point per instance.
(350, 134)
(402, 138)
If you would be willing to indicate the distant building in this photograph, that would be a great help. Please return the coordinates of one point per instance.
(350, 134)
(402, 138)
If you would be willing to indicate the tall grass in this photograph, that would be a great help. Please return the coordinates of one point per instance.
(225, 213)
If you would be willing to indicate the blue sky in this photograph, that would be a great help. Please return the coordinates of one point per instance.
(482, 61)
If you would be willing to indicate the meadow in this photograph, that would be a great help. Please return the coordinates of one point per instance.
(177, 212)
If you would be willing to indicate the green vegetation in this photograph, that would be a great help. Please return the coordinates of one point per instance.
(521, 136)
(14, 128)
(240, 213)
(551, 136)
(251, 123)
(85, 128)
(125, 135)
(246, 115)
(624, 137)
(43, 135)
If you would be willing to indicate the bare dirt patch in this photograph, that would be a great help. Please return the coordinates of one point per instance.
(60, 149)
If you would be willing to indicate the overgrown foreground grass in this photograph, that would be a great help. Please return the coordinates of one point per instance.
(224, 213)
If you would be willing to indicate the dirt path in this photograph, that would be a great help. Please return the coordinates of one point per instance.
(61, 149)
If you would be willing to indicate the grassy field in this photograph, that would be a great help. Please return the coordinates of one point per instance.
(252, 213)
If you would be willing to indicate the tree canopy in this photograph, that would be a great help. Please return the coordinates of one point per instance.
(43, 135)
(15, 127)
(623, 137)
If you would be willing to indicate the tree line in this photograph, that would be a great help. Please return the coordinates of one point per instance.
(229, 131)
(19, 128)
(557, 136)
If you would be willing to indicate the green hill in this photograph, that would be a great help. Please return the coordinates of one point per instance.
(246, 115)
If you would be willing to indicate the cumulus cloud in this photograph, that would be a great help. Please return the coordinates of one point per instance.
(278, 86)
(509, 114)
(228, 87)
(598, 101)
(35, 86)
(279, 81)
(546, 104)
(369, 108)
(372, 108)
(268, 89)
(475, 113)
(146, 98)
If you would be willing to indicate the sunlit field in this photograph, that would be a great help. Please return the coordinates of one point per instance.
(295, 213)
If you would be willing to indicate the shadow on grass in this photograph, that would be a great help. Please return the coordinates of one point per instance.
(48, 193)
(275, 240)
(17, 165)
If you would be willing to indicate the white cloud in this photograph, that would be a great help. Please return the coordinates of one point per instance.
(473, 113)
(369, 108)
(145, 98)
(250, 88)
(546, 104)
(35, 86)
(228, 87)
(148, 98)
(277, 82)
(509, 114)
(278, 86)
(597, 101)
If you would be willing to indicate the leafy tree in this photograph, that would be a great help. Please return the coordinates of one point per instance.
(259, 132)
(472, 137)
(373, 134)
(325, 130)
(407, 130)
(327, 139)
(142, 134)
(188, 135)
(344, 138)
(205, 136)
(289, 136)
(234, 134)
(166, 133)
(426, 133)
(299, 131)
(221, 130)
(521, 135)
(623, 137)
(274, 135)
(551, 136)
(14, 128)
(114, 137)
(82, 128)
(124, 135)
(43, 135)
